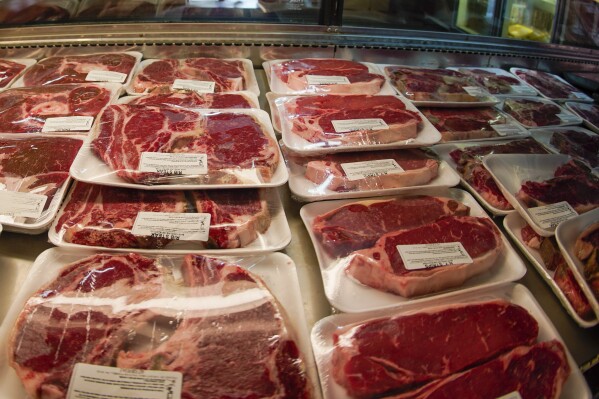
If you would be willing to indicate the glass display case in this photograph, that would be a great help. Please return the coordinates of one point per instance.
(529, 19)
(477, 16)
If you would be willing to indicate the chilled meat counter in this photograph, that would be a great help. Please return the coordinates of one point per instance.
(294, 223)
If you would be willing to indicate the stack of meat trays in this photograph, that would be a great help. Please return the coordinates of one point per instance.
(44, 115)
(340, 144)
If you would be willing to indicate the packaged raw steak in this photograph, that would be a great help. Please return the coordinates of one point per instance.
(122, 315)
(437, 86)
(204, 75)
(588, 112)
(114, 9)
(575, 141)
(165, 145)
(537, 112)
(550, 86)
(19, 12)
(192, 99)
(324, 76)
(57, 108)
(498, 82)
(457, 124)
(586, 250)
(100, 67)
(11, 69)
(124, 218)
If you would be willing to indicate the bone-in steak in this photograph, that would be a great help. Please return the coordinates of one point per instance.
(74, 68)
(195, 100)
(8, 71)
(547, 83)
(464, 124)
(494, 83)
(313, 117)
(227, 75)
(533, 113)
(360, 224)
(25, 110)
(238, 147)
(396, 353)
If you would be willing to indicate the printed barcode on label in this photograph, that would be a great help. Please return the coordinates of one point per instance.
(327, 80)
(199, 86)
(15, 204)
(68, 124)
(549, 216)
(366, 169)
(105, 76)
(351, 125)
(172, 226)
(424, 256)
(174, 164)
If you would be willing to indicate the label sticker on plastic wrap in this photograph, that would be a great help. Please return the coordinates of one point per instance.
(89, 381)
(580, 95)
(105, 76)
(379, 167)
(523, 90)
(549, 216)
(199, 86)
(172, 226)
(475, 91)
(511, 395)
(424, 256)
(174, 164)
(14, 204)
(351, 125)
(508, 129)
(568, 118)
(68, 123)
(327, 80)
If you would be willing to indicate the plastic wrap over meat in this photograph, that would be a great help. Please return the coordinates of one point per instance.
(102, 216)
(226, 74)
(536, 112)
(33, 11)
(9, 70)
(456, 124)
(191, 99)
(211, 320)
(589, 112)
(25, 110)
(114, 9)
(323, 75)
(235, 147)
(580, 144)
(550, 85)
(496, 81)
(586, 249)
(75, 68)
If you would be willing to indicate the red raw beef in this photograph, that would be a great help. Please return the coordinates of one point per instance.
(194, 100)
(533, 113)
(116, 9)
(25, 110)
(18, 12)
(589, 112)
(393, 354)
(74, 68)
(586, 249)
(8, 71)
(311, 117)
(382, 267)
(235, 143)
(578, 145)
(494, 83)
(464, 123)
(37, 164)
(228, 75)
(547, 84)
(537, 371)
(361, 81)
(360, 224)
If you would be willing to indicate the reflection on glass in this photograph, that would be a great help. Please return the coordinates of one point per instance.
(476, 16)
(529, 19)
(581, 23)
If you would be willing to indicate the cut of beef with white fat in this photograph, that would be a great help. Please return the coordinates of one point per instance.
(239, 149)
(397, 353)
(359, 224)
(238, 346)
(194, 100)
(464, 124)
(383, 268)
(9, 69)
(313, 117)
(295, 74)
(537, 371)
(159, 75)
(327, 171)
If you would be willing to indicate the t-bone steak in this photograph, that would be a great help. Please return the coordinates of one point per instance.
(25, 110)
(393, 354)
(359, 224)
(195, 100)
(238, 147)
(8, 71)
(313, 118)
(238, 346)
(159, 75)
(464, 124)
(295, 75)
(382, 267)
(74, 68)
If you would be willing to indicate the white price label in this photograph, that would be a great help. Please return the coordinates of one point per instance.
(199, 86)
(174, 164)
(549, 216)
(568, 118)
(327, 80)
(379, 167)
(172, 226)
(523, 90)
(424, 256)
(105, 76)
(580, 95)
(15, 204)
(101, 382)
(508, 129)
(511, 395)
(351, 125)
(475, 91)
(68, 123)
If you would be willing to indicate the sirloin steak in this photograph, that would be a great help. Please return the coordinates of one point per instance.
(313, 117)
(359, 224)
(382, 267)
(8, 71)
(193, 99)
(393, 354)
(237, 146)
(464, 123)
(227, 75)
(74, 68)
(25, 110)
